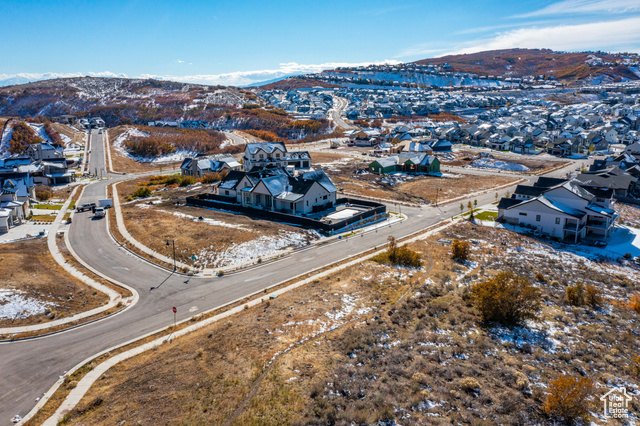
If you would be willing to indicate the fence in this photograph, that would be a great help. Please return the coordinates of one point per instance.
(228, 203)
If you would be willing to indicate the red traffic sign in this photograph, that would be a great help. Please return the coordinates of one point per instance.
(175, 309)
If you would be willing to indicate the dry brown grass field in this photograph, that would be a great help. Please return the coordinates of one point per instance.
(420, 188)
(378, 344)
(76, 136)
(629, 215)
(213, 240)
(28, 267)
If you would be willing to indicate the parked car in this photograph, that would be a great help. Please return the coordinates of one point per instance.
(86, 206)
(99, 212)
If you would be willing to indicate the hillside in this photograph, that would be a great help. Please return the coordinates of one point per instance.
(524, 62)
(118, 100)
(293, 83)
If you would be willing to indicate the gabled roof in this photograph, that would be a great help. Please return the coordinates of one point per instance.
(506, 203)
(268, 147)
(531, 191)
(321, 177)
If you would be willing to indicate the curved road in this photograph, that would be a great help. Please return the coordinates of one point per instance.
(29, 368)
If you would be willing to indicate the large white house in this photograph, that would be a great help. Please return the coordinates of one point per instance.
(564, 210)
(278, 190)
(271, 155)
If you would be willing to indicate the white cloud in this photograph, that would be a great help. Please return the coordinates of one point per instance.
(585, 6)
(609, 35)
(238, 78)
(180, 62)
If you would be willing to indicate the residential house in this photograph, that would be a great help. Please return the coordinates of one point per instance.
(407, 163)
(273, 154)
(12, 210)
(565, 211)
(278, 190)
(200, 166)
(45, 151)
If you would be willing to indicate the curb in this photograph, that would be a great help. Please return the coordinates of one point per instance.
(76, 394)
(114, 297)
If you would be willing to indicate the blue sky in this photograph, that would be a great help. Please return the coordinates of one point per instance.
(241, 42)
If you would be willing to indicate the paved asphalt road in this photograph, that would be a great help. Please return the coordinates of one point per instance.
(237, 140)
(339, 105)
(29, 368)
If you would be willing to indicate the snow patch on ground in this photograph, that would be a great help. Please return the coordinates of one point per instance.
(4, 143)
(13, 305)
(196, 219)
(488, 163)
(175, 157)
(39, 131)
(260, 247)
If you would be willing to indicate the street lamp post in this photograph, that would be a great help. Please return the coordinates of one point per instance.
(437, 189)
(173, 242)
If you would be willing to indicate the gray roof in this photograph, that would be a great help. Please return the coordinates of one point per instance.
(265, 146)
(322, 178)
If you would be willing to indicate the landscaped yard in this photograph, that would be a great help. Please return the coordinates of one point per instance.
(35, 289)
(375, 344)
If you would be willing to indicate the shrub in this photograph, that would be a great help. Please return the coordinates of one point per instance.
(142, 192)
(540, 277)
(22, 137)
(634, 302)
(214, 177)
(187, 180)
(568, 399)
(635, 366)
(43, 192)
(506, 299)
(399, 256)
(592, 296)
(469, 384)
(165, 180)
(460, 250)
(575, 294)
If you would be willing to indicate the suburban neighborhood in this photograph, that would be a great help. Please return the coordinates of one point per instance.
(449, 240)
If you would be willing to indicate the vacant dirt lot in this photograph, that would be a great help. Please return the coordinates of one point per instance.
(35, 289)
(218, 239)
(535, 165)
(375, 344)
(76, 136)
(418, 188)
(348, 173)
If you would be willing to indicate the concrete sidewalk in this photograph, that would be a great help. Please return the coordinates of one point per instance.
(114, 296)
(83, 386)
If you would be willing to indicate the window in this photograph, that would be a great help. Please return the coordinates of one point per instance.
(226, 192)
(537, 218)
(522, 214)
(557, 221)
(324, 198)
(277, 155)
(261, 156)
